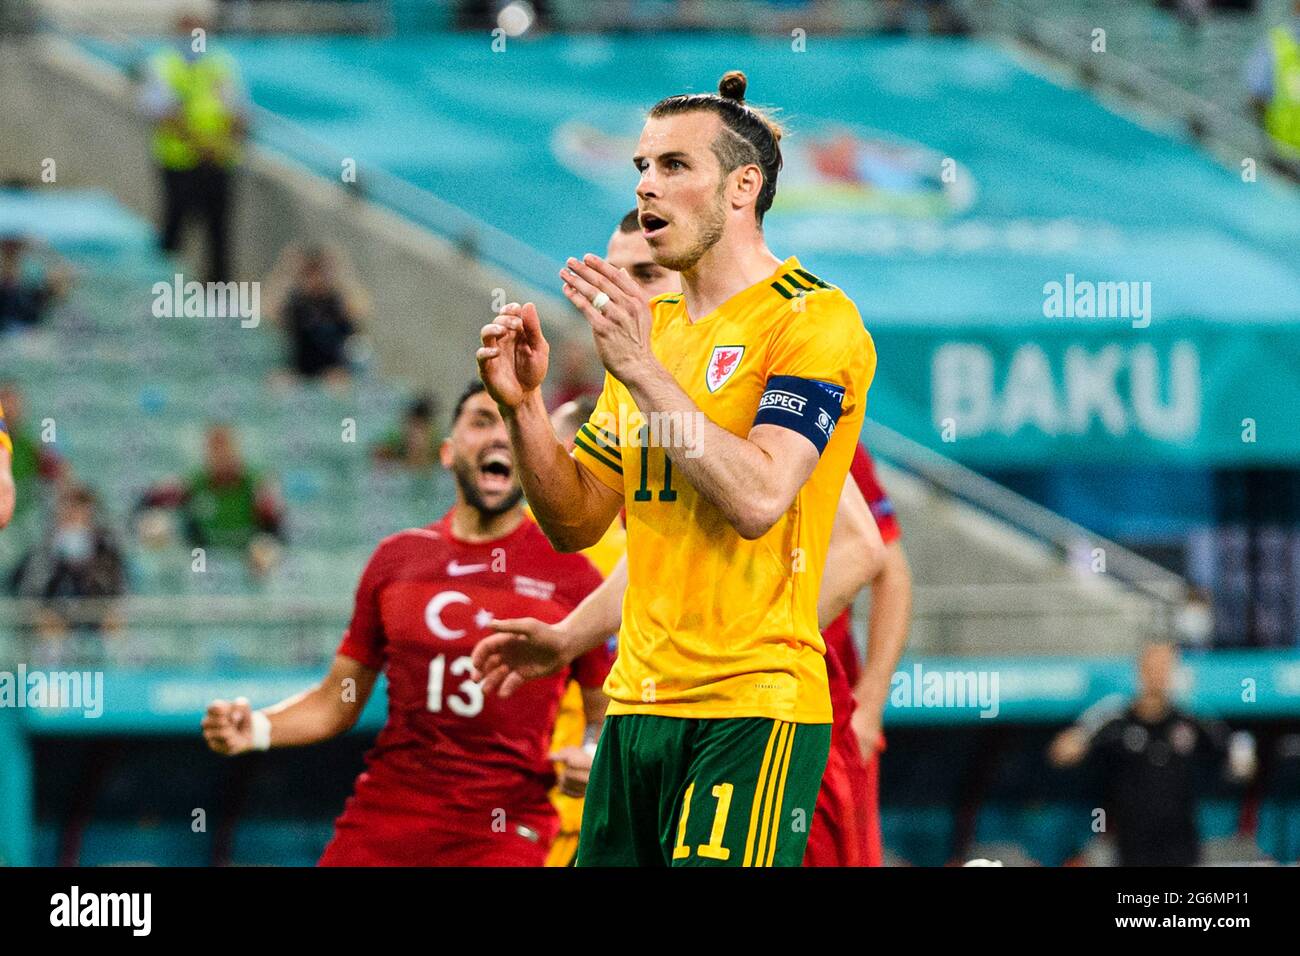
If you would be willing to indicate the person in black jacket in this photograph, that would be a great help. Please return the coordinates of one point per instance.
(319, 320)
(26, 298)
(78, 559)
(1149, 752)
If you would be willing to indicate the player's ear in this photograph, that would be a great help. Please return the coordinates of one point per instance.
(445, 454)
(746, 184)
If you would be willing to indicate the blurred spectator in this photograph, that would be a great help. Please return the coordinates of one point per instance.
(413, 445)
(320, 309)
(26, 293)
(159, 564)
(77, 559)
(226, 504)
(1148, 754)
(198, 105)
(34, 462)
(1273, 79)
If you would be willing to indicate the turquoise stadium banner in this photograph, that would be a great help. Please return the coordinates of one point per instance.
(928, 690)
(967, 691)
(1191, 392)
(1045, 277)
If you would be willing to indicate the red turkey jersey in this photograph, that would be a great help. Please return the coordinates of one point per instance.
(843, 671)
(448, 750)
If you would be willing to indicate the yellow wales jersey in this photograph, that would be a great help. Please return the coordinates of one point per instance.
(714, 625)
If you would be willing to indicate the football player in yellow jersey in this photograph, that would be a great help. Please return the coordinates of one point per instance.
(856, 553)
(8, 493)
(726, 426)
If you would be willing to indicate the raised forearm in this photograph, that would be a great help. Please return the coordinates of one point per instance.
(734, 474)
(303, 719)
(563, 497)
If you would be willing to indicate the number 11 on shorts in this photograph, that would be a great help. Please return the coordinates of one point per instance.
(713, 850)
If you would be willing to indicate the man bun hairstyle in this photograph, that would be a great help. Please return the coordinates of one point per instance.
(732, 86)
(748, 134)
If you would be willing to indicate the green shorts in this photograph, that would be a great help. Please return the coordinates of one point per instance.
(673, 791)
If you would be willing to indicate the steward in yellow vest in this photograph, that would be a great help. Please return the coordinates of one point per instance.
(1282, 113)
(201, 126)
(197, 105)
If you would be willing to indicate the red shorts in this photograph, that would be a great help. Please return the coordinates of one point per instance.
(374, 839)
(846, 821)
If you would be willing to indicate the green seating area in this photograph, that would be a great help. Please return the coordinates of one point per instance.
(129, 396)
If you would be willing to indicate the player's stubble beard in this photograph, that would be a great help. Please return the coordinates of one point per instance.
(466, 472)
(713, 222)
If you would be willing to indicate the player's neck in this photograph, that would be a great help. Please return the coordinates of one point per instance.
(471, 525)
(729, 267)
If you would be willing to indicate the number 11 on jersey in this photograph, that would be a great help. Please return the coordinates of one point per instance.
(643, 493)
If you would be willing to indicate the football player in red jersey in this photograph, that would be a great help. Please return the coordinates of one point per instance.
(456, 777)
(846, 819)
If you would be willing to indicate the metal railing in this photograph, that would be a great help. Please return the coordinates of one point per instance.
(230, 632)
(219, 631)
(1063, 536)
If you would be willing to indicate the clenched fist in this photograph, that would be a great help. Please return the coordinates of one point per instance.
(228, 726)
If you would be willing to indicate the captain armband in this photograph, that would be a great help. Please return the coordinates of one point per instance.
(803, 405)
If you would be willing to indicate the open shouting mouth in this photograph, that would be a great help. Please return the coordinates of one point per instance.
(496, 470)
(652, 225)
